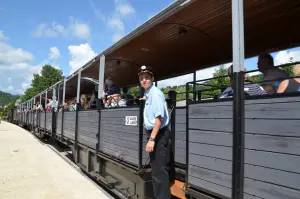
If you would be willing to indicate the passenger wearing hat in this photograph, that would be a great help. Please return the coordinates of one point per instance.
(156, 119)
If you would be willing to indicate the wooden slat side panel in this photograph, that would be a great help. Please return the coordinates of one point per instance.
(58, 122)
(119, 113)
(49, 121)
(88, 128)
(212, 187)
(119, 140)
(69, 124)
(290, 110)
(274, 161)
(266, 190)
(251, 187)
(42, 120)
(180, 136)
(120, 135)
(87, 141)
(252, 126)
(215, 110)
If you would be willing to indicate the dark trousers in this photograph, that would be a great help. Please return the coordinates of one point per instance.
(159, 160)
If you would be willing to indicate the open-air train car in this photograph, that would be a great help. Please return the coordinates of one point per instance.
(244, 147)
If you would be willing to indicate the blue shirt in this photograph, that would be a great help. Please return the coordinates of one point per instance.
(249, 88)
(155, 106)
(113, 90)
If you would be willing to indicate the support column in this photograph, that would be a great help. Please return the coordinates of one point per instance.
(76, 124)
(100, 95)
(238, 101)
(194, 86)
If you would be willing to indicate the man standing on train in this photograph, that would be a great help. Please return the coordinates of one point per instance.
(156, 119)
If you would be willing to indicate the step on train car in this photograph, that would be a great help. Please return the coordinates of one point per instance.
(234, 147)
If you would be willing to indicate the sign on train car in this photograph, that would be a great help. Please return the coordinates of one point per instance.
(131, 121)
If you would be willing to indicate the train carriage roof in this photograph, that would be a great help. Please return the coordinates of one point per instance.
(196, 35)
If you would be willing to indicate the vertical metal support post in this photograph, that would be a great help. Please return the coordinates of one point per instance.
(100, 96)
(63, 111)
(39, 117)
(77, 114)
(194, 86)
(64, 92)
(187, 136)
(199, 95)
(45, 124)
(53, 125)
(238, 101)
(173, 129)
(141, 129)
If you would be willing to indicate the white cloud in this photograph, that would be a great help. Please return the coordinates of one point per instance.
(80, 55)
(96, 11)
(54, 53)
(124, 8)
(117, 27)
(116, 23)
(2, 36)
(74, 28)
(79, 29)
(44, 30)
(16, 67)
(285, 56)
(13, 58)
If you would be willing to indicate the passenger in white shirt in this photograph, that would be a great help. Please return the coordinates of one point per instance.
(266, 66)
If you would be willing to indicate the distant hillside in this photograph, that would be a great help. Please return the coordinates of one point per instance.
(6, 98)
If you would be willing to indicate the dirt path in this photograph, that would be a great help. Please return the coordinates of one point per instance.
(29, 169)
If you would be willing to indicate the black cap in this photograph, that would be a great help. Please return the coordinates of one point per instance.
(145, 69)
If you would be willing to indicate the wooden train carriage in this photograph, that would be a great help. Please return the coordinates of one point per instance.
(185, 37)
(272, 149)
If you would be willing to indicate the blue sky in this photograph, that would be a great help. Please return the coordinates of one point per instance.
(67, 34)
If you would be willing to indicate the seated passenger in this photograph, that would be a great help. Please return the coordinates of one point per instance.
(129, 99)
(73, 106)
(49, 105)
(291, 85)
(112, 96)
(39, 107)
(65, 107)
(249, 87)
(83, 102)
(269, 88)
(92, 103)
(266, 66)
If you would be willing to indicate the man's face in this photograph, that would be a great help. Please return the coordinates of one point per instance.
(145, 80)
(263, 65)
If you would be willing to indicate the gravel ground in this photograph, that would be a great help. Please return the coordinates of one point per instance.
(30, 169)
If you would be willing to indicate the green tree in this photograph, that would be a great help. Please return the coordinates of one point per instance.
(289, 69)
(213, 87)
(255, 78)
(49, 76)
(29, 93)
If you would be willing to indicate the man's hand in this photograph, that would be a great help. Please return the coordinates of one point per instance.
(150, 146)
(143, 98)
